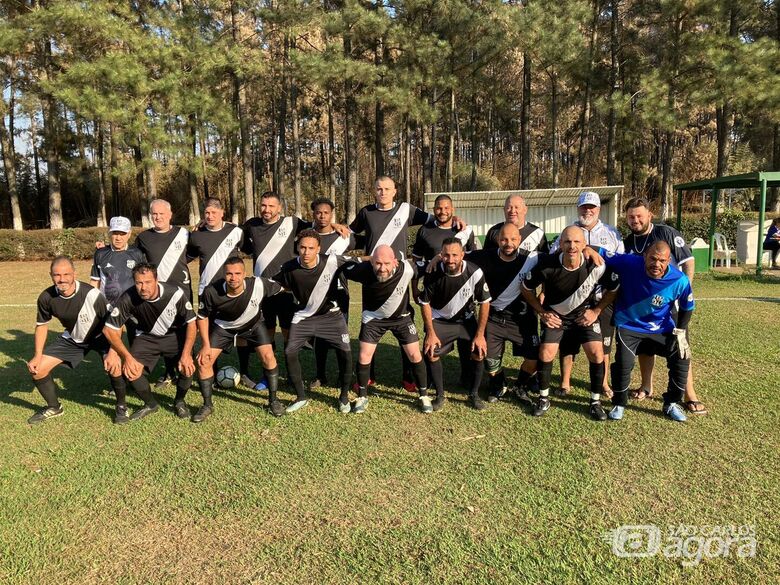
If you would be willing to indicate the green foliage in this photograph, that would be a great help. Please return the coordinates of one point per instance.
(79, 243)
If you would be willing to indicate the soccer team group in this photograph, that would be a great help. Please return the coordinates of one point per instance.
(589, 289)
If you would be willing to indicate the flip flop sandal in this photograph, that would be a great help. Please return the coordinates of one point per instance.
(561, 392)
(640, 394)
(695, 407)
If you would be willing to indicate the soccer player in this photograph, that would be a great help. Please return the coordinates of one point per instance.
(112, 267)
(532, 237)
(231, 308)
(510, 318)
(165, 328)
(645, 322)
(569, 282)
(448, 306)
(644, 232)
(312, 280)
(385, 299)
(81, 309)
(598, 235)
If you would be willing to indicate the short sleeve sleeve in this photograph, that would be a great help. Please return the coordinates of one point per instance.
(120, 313)
(44, 309)
(271, 287)
(419, 217)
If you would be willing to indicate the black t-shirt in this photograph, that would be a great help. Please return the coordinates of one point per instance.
(272, 244)
(569, 292)
(236, 313)
(533, 238)
(681, 253)
(388, 226)
(333, 243)
(212, 248)
(505, 278)
(114, 270)
(384, 300)
(316, 290)
(431, 237)
(81, 314)
(168, 312)
(452, 298)
(167, 251)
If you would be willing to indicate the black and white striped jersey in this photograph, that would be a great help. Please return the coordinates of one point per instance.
(334, 243)
(384, 300)
(81, 314)
(236, 313)
(430, 238)
(168, 312)
(271, 244)
(316, 290)
(569, 292)
(114, 270)
(212, 248)
(167, 251)
(388, 226)
(453, 298)
(505, 278)
(533, 238)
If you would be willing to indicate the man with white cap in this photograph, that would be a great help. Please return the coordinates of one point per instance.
(598, 235)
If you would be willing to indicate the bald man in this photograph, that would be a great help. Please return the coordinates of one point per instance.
(532, 237)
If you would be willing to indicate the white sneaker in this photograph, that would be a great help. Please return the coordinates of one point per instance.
(426, 404)
(360, 405)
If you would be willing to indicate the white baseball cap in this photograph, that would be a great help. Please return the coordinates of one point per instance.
(120, 224)
(589, 198)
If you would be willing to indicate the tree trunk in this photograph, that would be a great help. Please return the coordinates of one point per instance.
(102, 218)
(203, 154)
(140, 181)
(585, 115)
(525, 125)
(9, 166)
(52, 165)
(281, 153)
(613, 77)
(331, 151)
(554, 127)
(232, 171)
(426, 159)
(192, 177)
(296, 146)
(350, 115)
(724, 113)
(239, 99)
(474, 145)
(379, 117)
(114, 170)
(407, 160)
(450, 170)
(433, 169)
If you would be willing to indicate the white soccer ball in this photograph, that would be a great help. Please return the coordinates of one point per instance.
(228, 377)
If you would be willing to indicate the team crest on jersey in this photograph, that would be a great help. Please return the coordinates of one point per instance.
(607, 341)
(115, 312)
(397, 222)
(465, 292)
(282, 231)
(130, 264)
(177, 245)
(614, 276)
(678, 241)
(188, 305)
(657, 301)
(596, 327)
(228, 243)
(84, 319)
(534, 340)
(412, 329)
(399, 289)
(345, 338)
(690, 298)
(254, 303)
(170, 312)
(326, 277)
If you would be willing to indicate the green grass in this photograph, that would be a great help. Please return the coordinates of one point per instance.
(391, 496)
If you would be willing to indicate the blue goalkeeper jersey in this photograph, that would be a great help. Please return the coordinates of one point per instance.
(645, 304)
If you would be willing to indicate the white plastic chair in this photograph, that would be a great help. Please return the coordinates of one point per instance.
(722, 253)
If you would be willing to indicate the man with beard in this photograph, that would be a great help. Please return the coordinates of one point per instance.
(385, 290)
(532, 237)
(231, 309)
(165, 328)
(81, 310)
(509, 318)
(644, 232)
(569, 282)
(448, 307)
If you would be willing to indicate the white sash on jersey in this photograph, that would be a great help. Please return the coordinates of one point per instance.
(578, 296)
(172, 255)
(217, 261)
(399, 294)
(274, 245)
(395, 225)
(168, 315)
(251, 310)
(320, 290)
(460, 298)
(511, 292)
(339, 246)
(86, 317)
(464, 235)
(531, 243)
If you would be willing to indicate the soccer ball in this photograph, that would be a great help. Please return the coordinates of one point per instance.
(228, 377)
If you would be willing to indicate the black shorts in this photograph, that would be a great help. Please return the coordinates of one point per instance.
(148, 349)
(331, 327)
(448, 333)
(279, 307)
(224, 339)
(569, 345)
(577, 333)
(529, 328)
(499, 331)
(402, 328)
(71, 353)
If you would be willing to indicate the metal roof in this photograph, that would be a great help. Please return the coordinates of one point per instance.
(533, 197)
(748, 180)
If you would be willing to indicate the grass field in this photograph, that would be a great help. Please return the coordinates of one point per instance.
(392, 496)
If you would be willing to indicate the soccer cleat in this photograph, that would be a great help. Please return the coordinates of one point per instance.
(495, 397)
(345, 408)
(521, 394)
(426, 405)
(120, 415)
(532, 385)
(542, 406)
(203, 413)
(276, 408)
(262, 385)
(296, 406)
(675, 412)
(181, 409)
(597, 412)
(162, 382)
(360, 405)
(247, 382)
(356, 386)
(616, 413)
(145, 410)
(45, 414)
(410, 387)
(438, 402)
(476, 402)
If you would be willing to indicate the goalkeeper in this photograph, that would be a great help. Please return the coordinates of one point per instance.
(645, 323)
